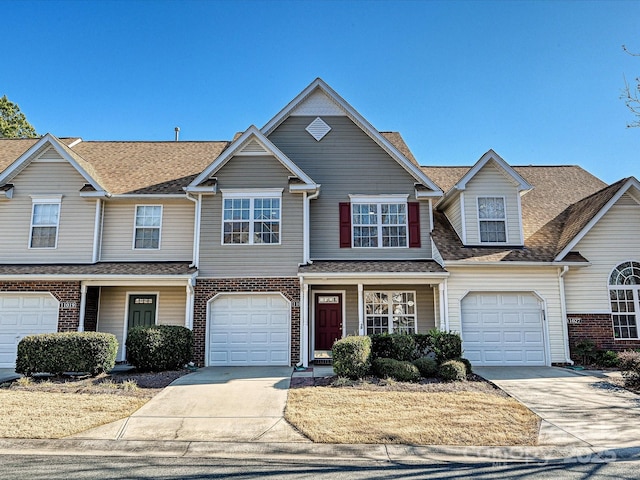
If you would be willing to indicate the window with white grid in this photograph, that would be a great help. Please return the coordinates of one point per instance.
(390, 312)
(45, 219)
(492, 220)
(147, 227)
(379, 224)
(251, 219)
(624, 286)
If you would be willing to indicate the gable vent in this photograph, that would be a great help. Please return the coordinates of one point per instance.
(253, 147)
(318, 129)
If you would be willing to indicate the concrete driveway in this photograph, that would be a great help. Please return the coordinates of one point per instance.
(576, 409)
(225, 404)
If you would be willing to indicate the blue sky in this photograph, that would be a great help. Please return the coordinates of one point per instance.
(539, 82)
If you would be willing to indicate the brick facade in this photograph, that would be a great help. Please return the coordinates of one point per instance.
(65, 292)
(206, 289)
(599, 329)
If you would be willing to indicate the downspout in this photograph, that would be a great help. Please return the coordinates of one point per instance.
(196, 228)
(563, 310)
(447, 326)
(97, 230)
(306, 256)
(188, 319)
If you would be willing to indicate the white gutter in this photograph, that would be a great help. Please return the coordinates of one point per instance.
(480, 263)
(146, 195)
(96, 231)
(563, 309)
(306, 236)
(83, 306)
(399, 275)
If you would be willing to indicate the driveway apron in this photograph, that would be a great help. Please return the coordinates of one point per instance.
(576, 409)
(230, 404)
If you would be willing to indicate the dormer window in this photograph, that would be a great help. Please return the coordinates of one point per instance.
(492, 220)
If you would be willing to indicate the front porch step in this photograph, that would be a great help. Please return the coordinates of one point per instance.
(322, 361)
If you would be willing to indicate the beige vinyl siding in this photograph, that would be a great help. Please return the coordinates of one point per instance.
(453, 212)
(424, 303)
(491, 182)
(176, 235)
(543, 281)
(172, 304)
(217, 260)
(346, 161)
(77, 215)
(613, 240)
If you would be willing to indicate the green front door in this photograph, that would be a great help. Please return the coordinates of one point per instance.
(142, 310)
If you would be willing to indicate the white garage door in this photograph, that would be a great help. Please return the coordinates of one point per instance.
(251, 329)
(503, 329)
(23, 314)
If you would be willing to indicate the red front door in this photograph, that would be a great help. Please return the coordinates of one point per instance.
(328, 320)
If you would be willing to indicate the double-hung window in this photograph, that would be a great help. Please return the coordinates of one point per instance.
(381, 223)
(147, 227)
(45, 220)
(390, 312)
(251, 218)
(492, 220)
(624, 287)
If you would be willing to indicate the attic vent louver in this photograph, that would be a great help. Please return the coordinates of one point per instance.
(318, 129)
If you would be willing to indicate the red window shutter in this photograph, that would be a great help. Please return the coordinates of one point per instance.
(414, 224)
(345, 225)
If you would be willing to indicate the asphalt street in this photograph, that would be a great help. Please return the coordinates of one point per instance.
(106, 468)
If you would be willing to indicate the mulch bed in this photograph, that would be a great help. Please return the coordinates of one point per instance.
(148, 383)
(474, 383)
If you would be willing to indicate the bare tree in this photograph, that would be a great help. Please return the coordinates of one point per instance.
(631, 94)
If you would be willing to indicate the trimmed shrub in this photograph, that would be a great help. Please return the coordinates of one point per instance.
(352, 356)
(56, 353)
(423, 345)
(427, 367)
(606, 358)
(159, 347)
(585, 350)
(398, 370)
(467, 364)
(452, 371)
(445, 345)
(629, 364)
(399, 346)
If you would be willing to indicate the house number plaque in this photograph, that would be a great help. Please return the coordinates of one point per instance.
(328, 299)
(68, 304)
(574, 320)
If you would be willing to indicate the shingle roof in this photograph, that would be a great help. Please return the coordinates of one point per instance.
(397, 141)
(103, 268)
(149, 167)
(562, 202)
(372, 266)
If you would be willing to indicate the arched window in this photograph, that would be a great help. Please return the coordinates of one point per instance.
(624, 286)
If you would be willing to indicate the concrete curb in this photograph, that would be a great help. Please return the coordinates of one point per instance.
(323, 453)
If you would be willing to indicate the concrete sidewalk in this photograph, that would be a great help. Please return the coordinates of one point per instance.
(577, 409)
(234, 404)
(8, 375)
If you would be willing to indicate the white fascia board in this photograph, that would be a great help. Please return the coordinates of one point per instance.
(508, 170)
(373, 278)
(211, 190)
(251, 133)
(427, 195)
(368, 275)
(358, 119)
(629, 183)
(16, 166)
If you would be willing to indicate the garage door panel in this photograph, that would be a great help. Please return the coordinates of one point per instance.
(23, 314)
(504, 328)
(249, 329)
(491, 337)
(513, 337)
